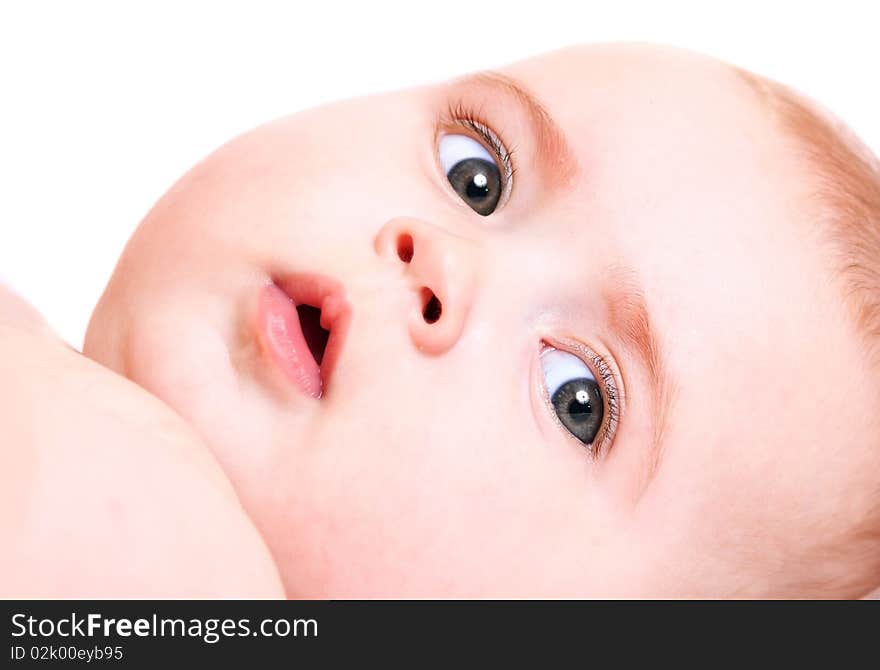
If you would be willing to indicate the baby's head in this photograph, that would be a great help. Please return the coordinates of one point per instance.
(605, 322)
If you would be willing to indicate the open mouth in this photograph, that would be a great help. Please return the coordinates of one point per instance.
(316, 336)
(302, 321)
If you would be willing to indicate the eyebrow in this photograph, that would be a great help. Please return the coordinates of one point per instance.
(554, 152)
(631, 321)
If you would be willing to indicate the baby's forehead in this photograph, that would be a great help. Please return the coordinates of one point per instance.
(681, 114)
(651, 75)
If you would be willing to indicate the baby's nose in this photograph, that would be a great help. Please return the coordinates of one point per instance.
(441, 270)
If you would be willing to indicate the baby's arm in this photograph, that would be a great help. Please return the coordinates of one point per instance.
(104, 491)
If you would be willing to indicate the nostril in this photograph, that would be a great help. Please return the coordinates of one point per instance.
(432, 307)
(405, 248)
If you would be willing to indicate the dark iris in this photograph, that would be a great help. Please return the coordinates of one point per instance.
(478, 182)
(579, 406)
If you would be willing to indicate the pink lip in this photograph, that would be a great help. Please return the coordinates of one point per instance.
(281, 334)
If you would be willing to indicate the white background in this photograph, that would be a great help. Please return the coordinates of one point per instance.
(103, 105)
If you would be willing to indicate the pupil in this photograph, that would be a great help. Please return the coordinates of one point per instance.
(478, 182)
(579, 407)
(579, 411)
(478, 186)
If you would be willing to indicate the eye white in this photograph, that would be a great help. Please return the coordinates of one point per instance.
(560, 367)
(453, 149)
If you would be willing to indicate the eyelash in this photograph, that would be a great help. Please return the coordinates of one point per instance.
(461, 114)
(610, 394)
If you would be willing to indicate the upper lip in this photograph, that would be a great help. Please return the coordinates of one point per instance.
(328, 295)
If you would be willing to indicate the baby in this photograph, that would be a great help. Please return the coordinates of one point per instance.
(603, 323)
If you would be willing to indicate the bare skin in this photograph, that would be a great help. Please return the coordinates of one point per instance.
(104, 491)
(434, 463)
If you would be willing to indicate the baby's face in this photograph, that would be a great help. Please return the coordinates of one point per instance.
(629, 374)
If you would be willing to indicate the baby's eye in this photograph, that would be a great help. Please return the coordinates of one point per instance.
(574, 393)
(472, 171)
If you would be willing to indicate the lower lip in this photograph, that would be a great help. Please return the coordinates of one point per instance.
(283, 339)
(281, 335)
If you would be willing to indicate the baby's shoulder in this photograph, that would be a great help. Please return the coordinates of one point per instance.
(17, 313)
(104, 490)
(46, 381)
